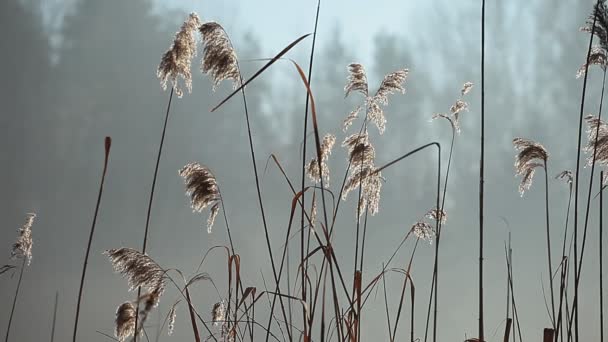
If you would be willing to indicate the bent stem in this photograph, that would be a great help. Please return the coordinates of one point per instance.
(108, 143)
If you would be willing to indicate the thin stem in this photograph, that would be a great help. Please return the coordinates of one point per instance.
(145, 244)
(481, 168)
(54, 316)
(601, 238)
(549, 246)
(303, 270)
(10, 319)
(108, 143)
(576, 178)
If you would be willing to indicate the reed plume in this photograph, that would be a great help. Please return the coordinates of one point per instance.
(125, 321)
(172, 315)
(363, 172)
(597, 144)
(565, 176)
(140, 271)
(352, 116)
(22, 248)
(177, 61)
(313, 166)
(219, 58)
(218, 313)
(202, 187)
(357, 81)
(531, 155)
(437, 215)
(459, 106)
(423, 231)
(466, 88)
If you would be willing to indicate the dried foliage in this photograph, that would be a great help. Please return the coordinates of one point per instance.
(357, 81)
(313, 166)
(219, 58)
(566, 176)
(172, 315)
(351, 118)
(597, 56)
(177, 61)
(125, 321)
(437, 215)
(599, 53)
(22, 248)
(466, 88)
(202, 187)
(530, 156)
(423, 231)
(459, 106)
(140, 270)
(363, 172)
(218, 314)
(597, 142)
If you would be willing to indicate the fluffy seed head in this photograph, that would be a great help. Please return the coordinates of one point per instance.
(357, 79)
(361, 152)
(437, 214)
(453, 121)
(218, 313)
(352, 116)
(203, 190)
(219, 58)
(177, 61)
(391, 83)
(313, 166)
(531, 155)
(423, 231)
(140, 270)
(125, 321)
(172, 315)
(600, 30)
(566, 176)
(22, 248)
(597, 141)
(596, 57)
(466, 88)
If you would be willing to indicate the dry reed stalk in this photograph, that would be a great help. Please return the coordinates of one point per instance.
(481, 168)
(601, 257)
(507, 330)
(54, 316)
(22, 248)
(532, 155)
(453, 119)
(577, 172)
(221, 63)
(303, 274)
(107, 146)
(176, 62)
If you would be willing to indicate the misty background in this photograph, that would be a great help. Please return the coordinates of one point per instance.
(76, 71)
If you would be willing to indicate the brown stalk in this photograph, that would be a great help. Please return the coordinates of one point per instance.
(576, 180)
(107, 145)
